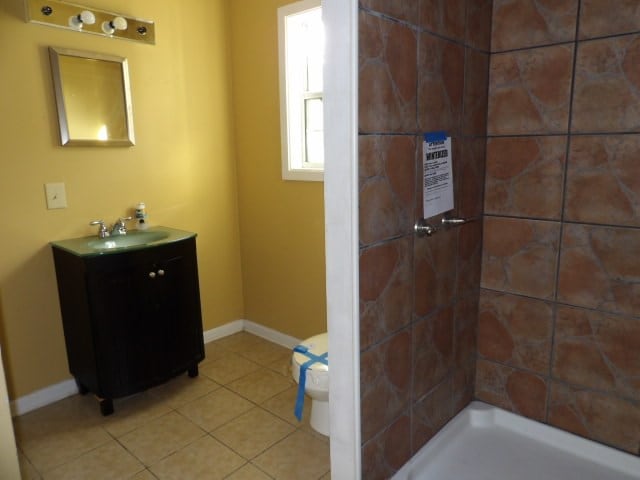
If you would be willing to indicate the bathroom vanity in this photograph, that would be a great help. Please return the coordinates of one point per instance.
(130, 310)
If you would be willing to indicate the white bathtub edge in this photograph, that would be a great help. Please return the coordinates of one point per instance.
(579, 446)
(481, 415)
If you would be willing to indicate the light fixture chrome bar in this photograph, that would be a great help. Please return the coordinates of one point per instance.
(80, 18)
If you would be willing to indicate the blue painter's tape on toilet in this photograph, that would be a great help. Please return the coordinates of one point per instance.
(303, 375)
(310, 368)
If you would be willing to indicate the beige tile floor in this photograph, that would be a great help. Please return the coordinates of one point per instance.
(235, 421)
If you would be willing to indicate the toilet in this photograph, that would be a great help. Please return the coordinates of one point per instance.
(317, 378)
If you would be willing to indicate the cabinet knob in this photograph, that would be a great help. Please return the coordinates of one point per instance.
(152, 274)
(161, 272)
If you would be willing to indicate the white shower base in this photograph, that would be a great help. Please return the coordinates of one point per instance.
(486, 443)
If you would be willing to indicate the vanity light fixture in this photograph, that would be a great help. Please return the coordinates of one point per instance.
(118, 23)
(85, 17)
(80, 18)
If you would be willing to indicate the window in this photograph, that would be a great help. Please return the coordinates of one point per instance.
(301, 45)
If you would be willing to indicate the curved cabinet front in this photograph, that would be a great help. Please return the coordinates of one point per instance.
(131, 320)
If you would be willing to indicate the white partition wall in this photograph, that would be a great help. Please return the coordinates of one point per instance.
(341, 224)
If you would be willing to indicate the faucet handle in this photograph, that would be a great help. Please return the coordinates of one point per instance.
(119, 228)
(102, 231)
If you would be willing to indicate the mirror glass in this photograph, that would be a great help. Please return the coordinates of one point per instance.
(93, 98)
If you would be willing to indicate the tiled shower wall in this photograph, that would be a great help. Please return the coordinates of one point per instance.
(559, 322)
(423, 66)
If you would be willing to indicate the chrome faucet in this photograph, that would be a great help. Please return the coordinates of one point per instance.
(102, 230)
(119, 228)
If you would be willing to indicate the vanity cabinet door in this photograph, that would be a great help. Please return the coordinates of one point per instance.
(175, 303)
(127, 339)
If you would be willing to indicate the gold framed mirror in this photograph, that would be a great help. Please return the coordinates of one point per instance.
(93, 98)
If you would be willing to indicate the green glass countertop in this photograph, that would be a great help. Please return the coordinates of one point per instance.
(133, 240)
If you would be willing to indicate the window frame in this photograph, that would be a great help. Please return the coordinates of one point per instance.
(293, 132)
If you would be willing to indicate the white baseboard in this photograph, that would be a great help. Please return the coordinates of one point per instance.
(66, 388)
(223, 330)
(270, 334)
(43, 397)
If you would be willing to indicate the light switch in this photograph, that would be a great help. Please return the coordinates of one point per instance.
(56, 195)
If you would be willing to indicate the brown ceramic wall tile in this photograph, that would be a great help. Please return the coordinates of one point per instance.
(594, 415)
(385, 454)
(444, 17)
(529, 23)
(594, 351)
(432, 351)
(440, 85)
(515, 331)
(386, 290)
(604, 17)
(476, 90)
(385, 383)
(400, 9)
(430, 414)
(463, 386)
(469, 178)
(387, 179)
(514, 390)
(603, 180)
(465, 340)
(469, 258)
(440, 268)
(600, 268)
(607, 81)
(519, 256)
(598, 351)
(387, 75)
(529, 91)
(478, 31)
(434, 271)
(525, 176)
(466, 326)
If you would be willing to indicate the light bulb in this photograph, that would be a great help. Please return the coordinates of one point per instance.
(77, 21)
(118, 23)
(87, 17)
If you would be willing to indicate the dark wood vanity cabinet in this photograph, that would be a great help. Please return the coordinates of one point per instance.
(131, 320)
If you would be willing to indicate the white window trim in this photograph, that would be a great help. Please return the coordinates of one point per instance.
(290, 172)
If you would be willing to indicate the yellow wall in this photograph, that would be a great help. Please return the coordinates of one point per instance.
(282, 222)
(182, 166)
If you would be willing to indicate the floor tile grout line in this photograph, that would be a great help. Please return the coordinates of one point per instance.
(43, 471)
(248, 462)
(265, 366)
(85, 453)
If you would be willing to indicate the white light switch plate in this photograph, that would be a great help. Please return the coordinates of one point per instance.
(56, 195)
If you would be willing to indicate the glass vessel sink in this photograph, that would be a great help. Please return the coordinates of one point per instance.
(133, 240)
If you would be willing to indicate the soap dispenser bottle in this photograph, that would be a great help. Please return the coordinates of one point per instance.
(141, 216)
